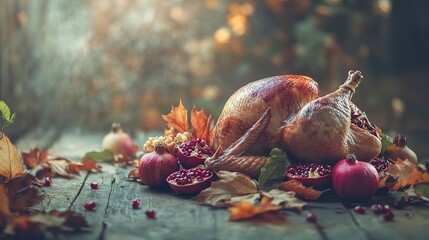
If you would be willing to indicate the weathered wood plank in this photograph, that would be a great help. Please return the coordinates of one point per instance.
(72, 145)
(411, 222)
(334, 219)
(181, 218)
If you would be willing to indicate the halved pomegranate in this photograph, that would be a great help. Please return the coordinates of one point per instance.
(193, 153)
(359, 119)
(190, 181)
(311, 175)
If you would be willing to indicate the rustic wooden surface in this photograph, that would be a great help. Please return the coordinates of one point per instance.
(180, 217)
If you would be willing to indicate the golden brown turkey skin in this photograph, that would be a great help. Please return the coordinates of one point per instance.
(286, 95)
(322, 131)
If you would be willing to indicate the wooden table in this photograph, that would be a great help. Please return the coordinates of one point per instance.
(181, 218)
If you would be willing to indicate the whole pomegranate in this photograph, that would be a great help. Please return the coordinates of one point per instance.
(190, 181)
(399, 149)
(118, 142)
(354, 180)
(314, 175)
(155, 167)
(193, 153)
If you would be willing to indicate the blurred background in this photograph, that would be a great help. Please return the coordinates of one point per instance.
(86, 64)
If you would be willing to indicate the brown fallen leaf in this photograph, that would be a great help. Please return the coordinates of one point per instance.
(36, 225)
(177, 118)
(225, 191)
(59, 167)
(22, 193)
(300, 190)
(201, 124)
(406, 174)
(89, 165)
(134, 174)
(5, 213)
(10, 161)
(65, 168)
(286, 200)
(34, 157)
(245, 209)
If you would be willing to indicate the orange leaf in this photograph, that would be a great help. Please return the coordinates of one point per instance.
(245, 209)
(177, 118)
(406, 174)
(134, 174)
(89, 165)
(201, 124)
(300, 190)
(34, 157)
(10, 161)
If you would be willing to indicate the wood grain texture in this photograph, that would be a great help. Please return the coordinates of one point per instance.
(179, 217)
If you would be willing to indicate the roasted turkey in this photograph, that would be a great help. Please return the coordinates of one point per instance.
(286, 112)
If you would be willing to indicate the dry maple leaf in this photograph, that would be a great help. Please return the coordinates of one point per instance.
(10, 161)
(34, 157)
(245, 209)
(64, 167)
(225, 191)
(406, 174)
(286, 200)
(177, 118)
(22, 193)
(201, 124)
(300, 190)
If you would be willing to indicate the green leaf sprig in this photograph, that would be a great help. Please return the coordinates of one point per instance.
(274, 168)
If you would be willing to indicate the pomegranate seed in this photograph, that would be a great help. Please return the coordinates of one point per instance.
(48, 182)
(389, 216)
(90, 206)
(386, 208)
(311, 217)
(94, 185)
(359, 209)
(136, 203)
(377, 208)
(150, 214)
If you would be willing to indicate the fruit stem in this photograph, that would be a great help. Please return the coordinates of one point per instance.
(116, 127)
(160, 149)
(351, 158)
(400, 141)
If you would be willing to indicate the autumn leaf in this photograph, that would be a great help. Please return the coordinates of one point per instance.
(59, 167)
(134, 174)
(300, 190)
(10, 161)
(177, 118)
(34, 157)
(64, 167)
(245, 209)
(286, 200)
(22, 193)
(225, 191)
(201, 124)
(39, 223)
(406, 174)
(5, 212)
(89, 165)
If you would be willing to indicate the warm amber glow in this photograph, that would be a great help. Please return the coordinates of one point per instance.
(222, 35)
